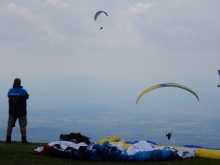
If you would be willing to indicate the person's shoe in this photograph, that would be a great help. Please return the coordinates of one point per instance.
(24, 140)
(8, 139)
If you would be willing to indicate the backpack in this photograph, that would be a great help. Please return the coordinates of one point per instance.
(75, 137)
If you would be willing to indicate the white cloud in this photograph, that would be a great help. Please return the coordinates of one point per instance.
(20, 17)
(22, 11)
(174, 24)
(140, 8)
(52, 35)
(56, 3)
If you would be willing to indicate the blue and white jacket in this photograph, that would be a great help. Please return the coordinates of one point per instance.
(17, 97)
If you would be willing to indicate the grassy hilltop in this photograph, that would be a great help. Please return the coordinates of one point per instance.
(20, 154)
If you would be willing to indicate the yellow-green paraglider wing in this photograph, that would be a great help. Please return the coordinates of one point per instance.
(166, 85)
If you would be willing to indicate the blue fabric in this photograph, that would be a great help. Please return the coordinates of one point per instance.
(129, 142)
(166, 152)
(192, 146)
(76, 155)
(195, 146)
(108, 152)
(20, 92)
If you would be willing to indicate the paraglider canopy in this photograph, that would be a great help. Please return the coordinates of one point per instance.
(166, 85)
(98, 13)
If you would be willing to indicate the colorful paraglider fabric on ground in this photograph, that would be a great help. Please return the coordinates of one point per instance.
(98, 13)
(166, 85)
(219, 75)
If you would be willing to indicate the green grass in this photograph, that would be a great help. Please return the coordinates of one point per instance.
(20, 154)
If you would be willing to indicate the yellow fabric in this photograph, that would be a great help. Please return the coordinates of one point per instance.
(115, 140)
(202, 152)
(208, 153)
(110, 139)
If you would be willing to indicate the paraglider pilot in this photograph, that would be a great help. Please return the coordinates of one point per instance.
(168, 135)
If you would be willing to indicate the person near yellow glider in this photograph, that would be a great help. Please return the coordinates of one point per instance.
(169, 134)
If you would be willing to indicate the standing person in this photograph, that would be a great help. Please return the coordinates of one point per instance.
(17, 97)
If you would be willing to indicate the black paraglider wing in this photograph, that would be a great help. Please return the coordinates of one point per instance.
(98, 13)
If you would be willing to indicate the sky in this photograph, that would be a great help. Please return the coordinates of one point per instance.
(66, 63)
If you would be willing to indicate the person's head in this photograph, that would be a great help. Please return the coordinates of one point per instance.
(17, 82)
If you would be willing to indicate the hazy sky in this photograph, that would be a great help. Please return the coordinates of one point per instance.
(142, 43)
(141, 40)
(59, 52)
(146, 42)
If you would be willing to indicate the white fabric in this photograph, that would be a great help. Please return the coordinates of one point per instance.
(140, 146)
(119, 146)
(185, 153)
(65, 144)
(39, 149)
(145, 146)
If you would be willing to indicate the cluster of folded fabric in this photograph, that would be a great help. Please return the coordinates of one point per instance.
(114, 148)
